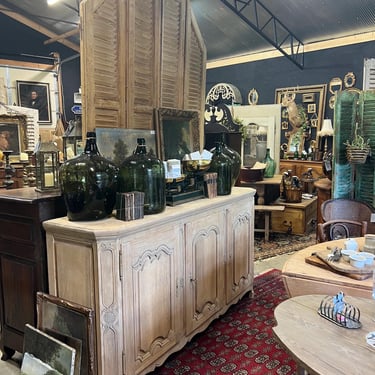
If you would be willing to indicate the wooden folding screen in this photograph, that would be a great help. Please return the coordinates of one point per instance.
(137, 55)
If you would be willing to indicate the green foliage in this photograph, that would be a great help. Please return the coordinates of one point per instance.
(358, 141)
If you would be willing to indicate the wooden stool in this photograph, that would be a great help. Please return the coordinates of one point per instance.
(267, 209)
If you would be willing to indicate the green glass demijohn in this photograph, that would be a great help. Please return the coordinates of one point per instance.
(144, 172)
(270, 168)
(88, 184)
(233, 155)
(222, 165)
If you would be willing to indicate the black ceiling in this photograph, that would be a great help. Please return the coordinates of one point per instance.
(226, 34)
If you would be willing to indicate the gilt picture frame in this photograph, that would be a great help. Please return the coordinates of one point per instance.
(13, 135)
(177, 132)
(66, 318)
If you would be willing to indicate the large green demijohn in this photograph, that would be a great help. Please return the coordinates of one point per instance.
(144, 172)
(89, 184)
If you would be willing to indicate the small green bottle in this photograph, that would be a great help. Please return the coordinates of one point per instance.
(269, 171)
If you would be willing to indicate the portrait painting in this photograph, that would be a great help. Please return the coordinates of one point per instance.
(13, 134)
(35, 95)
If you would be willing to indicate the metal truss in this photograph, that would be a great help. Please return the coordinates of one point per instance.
(259, 18)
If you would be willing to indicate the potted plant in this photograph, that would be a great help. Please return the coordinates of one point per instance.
(358, 149)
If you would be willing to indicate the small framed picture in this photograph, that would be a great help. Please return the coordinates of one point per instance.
(311, 108)
(177, 132)
(61, 318)
(13, 134)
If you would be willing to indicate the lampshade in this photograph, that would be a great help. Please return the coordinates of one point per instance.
(327, 129)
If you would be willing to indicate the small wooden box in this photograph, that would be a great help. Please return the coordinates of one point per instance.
(297, 217)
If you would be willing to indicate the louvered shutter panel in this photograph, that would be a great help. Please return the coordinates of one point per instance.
(137, 56)
(364, 182)
(342, 173)
(369, 74)
(101, 66)
(173, 52)
(143, 62)
(195, 70)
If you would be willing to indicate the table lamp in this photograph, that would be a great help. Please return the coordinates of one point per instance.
(326, 131)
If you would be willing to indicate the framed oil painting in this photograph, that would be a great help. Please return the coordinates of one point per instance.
(45, 354)
(35, 95)
(13, 134)
(177, 132)
(117, 144)
(61, 318)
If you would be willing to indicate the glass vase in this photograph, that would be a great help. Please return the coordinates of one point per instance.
(270, 168)
(144, 172)
(222, 165)
(89, 184)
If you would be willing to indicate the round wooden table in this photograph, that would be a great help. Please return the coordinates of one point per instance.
(320, 346)
(303, 278)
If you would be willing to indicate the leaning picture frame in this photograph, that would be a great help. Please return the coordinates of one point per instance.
(35, 95)
(13, 135)
(66, 318)
(177, 133)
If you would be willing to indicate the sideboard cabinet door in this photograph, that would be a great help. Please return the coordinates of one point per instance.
(153, 295)
(205, 239)
(239, 258)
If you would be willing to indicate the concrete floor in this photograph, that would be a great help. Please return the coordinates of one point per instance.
(12, 367)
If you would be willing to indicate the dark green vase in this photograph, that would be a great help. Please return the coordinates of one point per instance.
(222, 165)
(89, 184)
(270, 168)
(144, 172)
(233, 155)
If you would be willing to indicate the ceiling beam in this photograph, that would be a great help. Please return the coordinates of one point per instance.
(62, 36)
(269, 27)
(41, 29)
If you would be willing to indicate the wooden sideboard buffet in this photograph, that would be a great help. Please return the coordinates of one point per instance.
(156, 282)
(23, 259)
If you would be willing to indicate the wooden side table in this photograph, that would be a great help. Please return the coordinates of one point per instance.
(296, 218)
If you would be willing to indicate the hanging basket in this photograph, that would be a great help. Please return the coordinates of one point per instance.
(357, 155)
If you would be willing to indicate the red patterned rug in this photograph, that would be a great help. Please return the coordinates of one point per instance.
(241, 341)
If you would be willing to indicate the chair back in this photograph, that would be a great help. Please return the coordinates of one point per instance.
(348, 209)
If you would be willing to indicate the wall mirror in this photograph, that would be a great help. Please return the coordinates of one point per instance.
(302, 114)
(268, 118)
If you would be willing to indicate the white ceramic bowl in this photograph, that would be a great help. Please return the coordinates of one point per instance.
(346, 254)
(357, 260)
(369, 258)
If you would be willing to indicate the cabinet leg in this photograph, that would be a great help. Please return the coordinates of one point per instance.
(7, 353)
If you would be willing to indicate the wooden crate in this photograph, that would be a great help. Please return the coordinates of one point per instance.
(296, 218)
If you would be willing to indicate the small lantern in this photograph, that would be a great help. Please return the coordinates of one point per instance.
(47, 167)
(72, 139)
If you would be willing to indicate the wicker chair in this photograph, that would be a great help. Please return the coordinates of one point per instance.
(345, 218)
